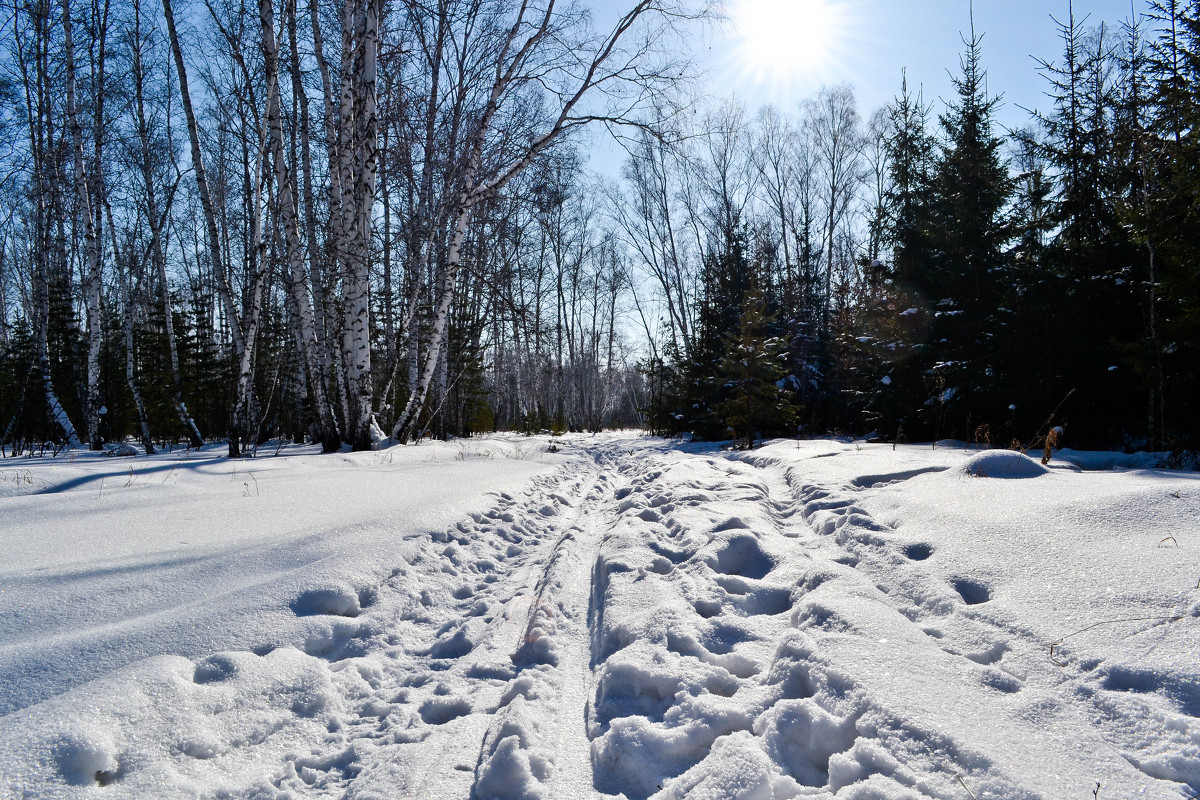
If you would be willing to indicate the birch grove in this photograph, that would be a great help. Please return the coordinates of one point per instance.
(314, 221)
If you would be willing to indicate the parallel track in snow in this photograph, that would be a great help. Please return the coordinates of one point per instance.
(656, 622)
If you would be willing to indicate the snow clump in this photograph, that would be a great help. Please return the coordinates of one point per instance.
(1003, 464)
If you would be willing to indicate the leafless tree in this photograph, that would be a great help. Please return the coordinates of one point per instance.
(832, 118)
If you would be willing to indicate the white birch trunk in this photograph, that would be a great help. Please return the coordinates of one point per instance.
(244, 332)
(47, 208)
(130, 377)
(215, 253)
(156, 244)
(359, 135)
(297, 285)
(91, 246)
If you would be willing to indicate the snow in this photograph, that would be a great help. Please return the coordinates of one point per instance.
(626, 616)
(188, 553)
(1002, 464)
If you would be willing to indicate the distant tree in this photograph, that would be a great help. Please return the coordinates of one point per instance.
(835, 130)
(756, 403)
(725, 281)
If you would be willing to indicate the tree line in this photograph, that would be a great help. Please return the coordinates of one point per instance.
(920, 275)
(372, 221)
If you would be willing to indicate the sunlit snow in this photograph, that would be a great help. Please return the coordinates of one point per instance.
(622, 616)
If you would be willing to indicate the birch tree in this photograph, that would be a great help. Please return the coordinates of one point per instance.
(297, 282)
(92, 279)
(48, 251)
(545, 47)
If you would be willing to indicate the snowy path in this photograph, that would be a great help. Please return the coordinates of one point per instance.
(655, 621)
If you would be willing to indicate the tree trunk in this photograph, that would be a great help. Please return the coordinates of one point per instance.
(91, 274)
(358, 160)
(126, 278)
(330, 439)
(156, 222)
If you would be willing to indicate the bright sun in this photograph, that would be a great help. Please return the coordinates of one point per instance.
(788, 41)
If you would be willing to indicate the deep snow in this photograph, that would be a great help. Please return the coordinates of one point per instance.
(625, 616)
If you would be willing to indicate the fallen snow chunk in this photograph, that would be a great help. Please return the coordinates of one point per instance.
(338, 601)
(736, 769)
(376, 433)
(455, 646)
(877, 787)
(508, 775)
(802, 736)
(1003, 464)
(866, 758)
(201, 746)
(87, 758)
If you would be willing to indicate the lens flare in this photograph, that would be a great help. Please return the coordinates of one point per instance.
(790, 43)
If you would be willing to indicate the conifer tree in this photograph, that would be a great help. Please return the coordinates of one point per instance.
(896, 318)
(1173, 223)
(1082, 306)
(725, 283)
(971, 191)
(752, 374)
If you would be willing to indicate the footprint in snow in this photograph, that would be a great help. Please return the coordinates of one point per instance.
(918, 551)
(440, 710)
(743, 556)
(337, 601)
(972, 592)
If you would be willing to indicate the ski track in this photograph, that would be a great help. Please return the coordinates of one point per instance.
(655, 622)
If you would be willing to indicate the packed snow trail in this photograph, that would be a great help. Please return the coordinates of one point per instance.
(662, 621)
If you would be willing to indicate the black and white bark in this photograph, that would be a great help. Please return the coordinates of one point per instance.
(359, 163)
(92, 279)
(297, 281)
(48, 250)
(156, 222)
(126, 278)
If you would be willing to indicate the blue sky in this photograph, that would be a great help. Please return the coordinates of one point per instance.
(882, 37)
(873, 40)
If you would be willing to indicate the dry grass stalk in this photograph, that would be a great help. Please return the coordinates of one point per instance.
(1058, 644)
(1051, 443)
(983, 435)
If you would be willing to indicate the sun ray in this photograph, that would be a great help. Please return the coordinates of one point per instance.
(790, 46)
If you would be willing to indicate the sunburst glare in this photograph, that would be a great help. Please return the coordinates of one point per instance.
(789, 45)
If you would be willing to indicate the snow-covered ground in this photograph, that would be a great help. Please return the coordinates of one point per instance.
(625, 616)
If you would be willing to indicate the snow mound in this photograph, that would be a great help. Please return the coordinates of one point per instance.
(87, 758)
(1002, 464)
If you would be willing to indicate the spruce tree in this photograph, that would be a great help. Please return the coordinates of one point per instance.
(1174, 221)
(725, 283)
(967, 274)
(1085, 308)
(755, 402)
(896, 318)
